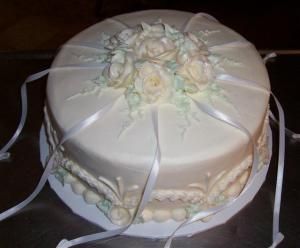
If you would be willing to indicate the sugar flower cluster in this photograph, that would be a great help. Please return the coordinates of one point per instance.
(156, 64)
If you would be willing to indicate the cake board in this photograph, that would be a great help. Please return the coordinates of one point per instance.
(151, 229)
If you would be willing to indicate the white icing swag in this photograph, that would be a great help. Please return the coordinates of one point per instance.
(154, 171)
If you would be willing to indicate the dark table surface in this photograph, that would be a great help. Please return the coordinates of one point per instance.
(46, 220)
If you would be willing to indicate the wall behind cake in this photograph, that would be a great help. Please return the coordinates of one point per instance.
(45, 25)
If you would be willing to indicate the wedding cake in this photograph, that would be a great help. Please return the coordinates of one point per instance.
(168, 62)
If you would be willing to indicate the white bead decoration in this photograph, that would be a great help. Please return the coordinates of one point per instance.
(78, 188)
(179, 214)
(69, 178)
(119, 216)
(161, 215)
(91, 197)
(147, 215)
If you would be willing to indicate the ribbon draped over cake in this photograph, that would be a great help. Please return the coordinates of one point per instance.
(154, 171)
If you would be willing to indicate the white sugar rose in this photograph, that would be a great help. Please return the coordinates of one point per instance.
(157, 49)
(153, 82)
(120, 71)
(197, 70)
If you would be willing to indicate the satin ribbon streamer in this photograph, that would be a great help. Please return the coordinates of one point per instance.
(72, 131)
(68, 134)
(4, 154)
(150, 183)
(290, 133)
(216, 114)
(278, 236)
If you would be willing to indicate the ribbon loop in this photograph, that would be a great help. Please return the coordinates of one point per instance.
(48, 168)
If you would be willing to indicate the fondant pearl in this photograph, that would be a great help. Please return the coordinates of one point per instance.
(147, 214)
(161, 215)
(179, 214)
(91, 197)
(119, 216)
(78, 188)
(69, 178)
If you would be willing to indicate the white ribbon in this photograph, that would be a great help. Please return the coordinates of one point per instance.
(83, 44)
(227, 78)
(232, 44)
(4, 154)
(150, 183)
(277, 236)
(216, 114)
(68, 134)
(48, 168)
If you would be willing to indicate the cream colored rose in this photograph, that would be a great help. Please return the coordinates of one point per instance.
(120, 71)
(198, 71)
(153, 82)
(156, 49)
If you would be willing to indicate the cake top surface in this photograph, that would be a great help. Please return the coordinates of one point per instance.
(164, 59)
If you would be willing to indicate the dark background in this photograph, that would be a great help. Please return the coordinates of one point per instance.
(46, 24)
(30, 33)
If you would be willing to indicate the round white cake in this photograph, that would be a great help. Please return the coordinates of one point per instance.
(168, 60)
